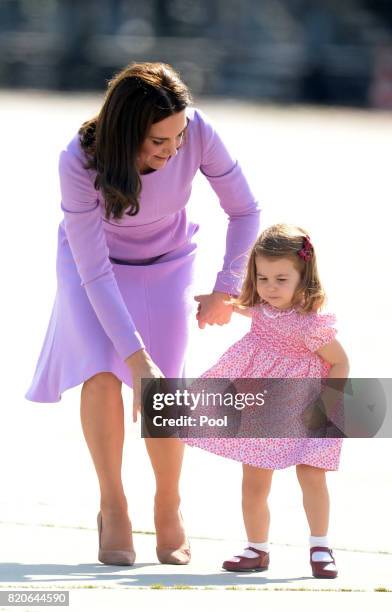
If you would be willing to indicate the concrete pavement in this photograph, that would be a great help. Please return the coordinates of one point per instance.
(67, 557)
(36, 558)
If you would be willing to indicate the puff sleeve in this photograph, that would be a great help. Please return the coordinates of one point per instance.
(321, 330)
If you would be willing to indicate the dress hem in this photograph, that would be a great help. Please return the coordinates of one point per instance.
(265, 467)
(34, 397)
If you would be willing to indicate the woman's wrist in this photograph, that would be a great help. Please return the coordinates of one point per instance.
(137, 359)
(224, 296)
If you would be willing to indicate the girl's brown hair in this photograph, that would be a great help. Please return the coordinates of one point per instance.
(278, 241)
(137, 97)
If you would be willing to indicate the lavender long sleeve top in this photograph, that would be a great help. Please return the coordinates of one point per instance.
(160, 226)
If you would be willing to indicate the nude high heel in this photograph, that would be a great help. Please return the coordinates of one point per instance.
(113, 557)
(175, 556)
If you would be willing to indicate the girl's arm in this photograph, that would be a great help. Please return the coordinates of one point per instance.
(242, 310)
(334, 354)
(223, 299)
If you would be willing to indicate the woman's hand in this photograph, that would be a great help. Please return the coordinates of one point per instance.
(141, 366)
(214, 308)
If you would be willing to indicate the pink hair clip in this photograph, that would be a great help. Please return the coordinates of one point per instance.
(307, 249)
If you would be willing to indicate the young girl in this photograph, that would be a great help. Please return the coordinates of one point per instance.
(289, 338)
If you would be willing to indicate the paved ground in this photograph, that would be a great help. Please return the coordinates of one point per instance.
(65, 557)
(33, 557)
(52, 543)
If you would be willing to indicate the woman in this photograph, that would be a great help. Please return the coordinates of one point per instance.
(124, 267)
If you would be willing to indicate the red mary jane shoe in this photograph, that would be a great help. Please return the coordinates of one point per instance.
(320, 568)
(257, 564)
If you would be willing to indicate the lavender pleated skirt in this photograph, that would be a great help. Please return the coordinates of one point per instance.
(159, 298)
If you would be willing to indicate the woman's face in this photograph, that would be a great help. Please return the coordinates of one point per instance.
(162, 142)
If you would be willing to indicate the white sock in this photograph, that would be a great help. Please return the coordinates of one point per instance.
(321, 555)
(249, 554)
(259, 546)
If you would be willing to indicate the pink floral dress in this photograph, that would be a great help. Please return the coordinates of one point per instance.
(280, 344)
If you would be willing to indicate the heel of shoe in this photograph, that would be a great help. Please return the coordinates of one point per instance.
(116, 557)
(113, 557)
(175, 556)
(178, 556)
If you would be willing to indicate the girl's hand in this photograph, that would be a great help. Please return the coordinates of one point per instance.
(141, 366)
(214, 308)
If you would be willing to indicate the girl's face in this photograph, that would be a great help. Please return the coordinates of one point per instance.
(162, 142)
(277, 281)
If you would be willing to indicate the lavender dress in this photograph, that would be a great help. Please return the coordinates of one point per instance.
(127, 284)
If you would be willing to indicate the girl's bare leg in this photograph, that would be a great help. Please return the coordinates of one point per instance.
(256, 485)
(102, 417)
(315, 498)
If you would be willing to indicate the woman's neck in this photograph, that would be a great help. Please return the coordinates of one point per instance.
(146, 170)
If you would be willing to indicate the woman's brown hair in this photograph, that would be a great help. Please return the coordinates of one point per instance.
(276, 242)
(137, 97)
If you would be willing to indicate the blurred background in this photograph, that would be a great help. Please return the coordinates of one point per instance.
(330, 52)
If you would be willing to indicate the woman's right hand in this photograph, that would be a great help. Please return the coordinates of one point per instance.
(141, 366)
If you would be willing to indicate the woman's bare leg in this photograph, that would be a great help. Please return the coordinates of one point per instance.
(315, 498)
(102, 417)
(166, 455)
(256, 485)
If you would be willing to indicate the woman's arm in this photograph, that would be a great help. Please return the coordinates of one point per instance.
(226, 178)
(85, 234)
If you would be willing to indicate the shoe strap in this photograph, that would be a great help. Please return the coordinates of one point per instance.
(259, 552)
(321, 549)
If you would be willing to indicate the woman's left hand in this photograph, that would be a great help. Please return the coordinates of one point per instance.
(214, 308)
